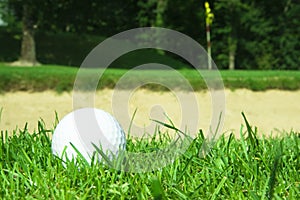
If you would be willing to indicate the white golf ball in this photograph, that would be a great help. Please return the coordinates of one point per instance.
(84, 128)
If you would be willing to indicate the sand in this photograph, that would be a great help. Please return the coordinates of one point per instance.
(271, 111)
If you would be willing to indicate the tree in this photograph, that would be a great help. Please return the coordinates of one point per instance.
(95, 17)
(74, 16)
(289, 42)
(246, 34)
(269, 35)
(228, 14)
(284, 37)
(152, 13)
(255, 45)
(145, 15)
(161, 6)
(3, 5)
(28, 52)
(27, 11)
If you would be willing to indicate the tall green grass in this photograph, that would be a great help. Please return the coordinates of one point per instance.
(245, 168)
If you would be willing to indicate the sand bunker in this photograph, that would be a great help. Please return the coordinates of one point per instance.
(270, 111)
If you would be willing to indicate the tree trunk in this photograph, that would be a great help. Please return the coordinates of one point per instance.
(161, 6)
(231, 60)
(160, 9)
(28, 53)
(232, 50)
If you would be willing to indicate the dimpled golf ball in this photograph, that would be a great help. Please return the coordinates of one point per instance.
(86, 131)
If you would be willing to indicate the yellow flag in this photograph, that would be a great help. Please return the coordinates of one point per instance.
(209, 14)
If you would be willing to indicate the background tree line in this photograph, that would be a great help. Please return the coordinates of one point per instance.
(246, 34)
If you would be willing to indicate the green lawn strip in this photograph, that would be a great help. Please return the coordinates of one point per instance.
(233, 169)
(37, 78)
(61, 78)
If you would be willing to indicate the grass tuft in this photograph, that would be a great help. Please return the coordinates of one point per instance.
(245, 168)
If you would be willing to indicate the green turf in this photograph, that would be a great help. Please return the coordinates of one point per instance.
(248, 168)
(62, 78)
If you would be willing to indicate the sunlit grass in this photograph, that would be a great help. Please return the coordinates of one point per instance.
(61, 78)
(245, 168)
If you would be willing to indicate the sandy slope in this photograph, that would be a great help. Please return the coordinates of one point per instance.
(268, 110)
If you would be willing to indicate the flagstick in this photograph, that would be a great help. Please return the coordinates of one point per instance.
(209, 18)
(208, 46)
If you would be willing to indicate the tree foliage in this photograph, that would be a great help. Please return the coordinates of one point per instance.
(246, 34)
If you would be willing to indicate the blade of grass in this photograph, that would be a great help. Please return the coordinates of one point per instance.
(103, 155)
(209, 142)
(56, 119)
(217, 129)
(180, 193)
(80, 155)
(169, 119)
(217, 190)
(230, 139)
(26, 156)
(272, 180)
(42, 130)
(184, 169)
(251, 133)
(157, 190)
(243, 143)
(131, 122)
(171, 127)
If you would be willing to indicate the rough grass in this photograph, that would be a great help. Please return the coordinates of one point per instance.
(248, 168)
(60, 78)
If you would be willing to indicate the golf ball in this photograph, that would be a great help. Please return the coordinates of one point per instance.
(82, 130)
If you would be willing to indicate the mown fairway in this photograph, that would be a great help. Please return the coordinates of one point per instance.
(62, 78)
